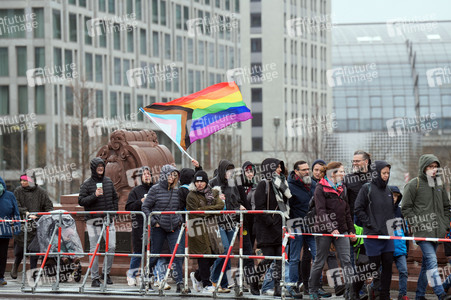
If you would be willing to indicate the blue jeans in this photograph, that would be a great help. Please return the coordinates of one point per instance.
(429, 250)
(157, 237)
(268, 282)
(160, 269)
(135, 263)
(226, 238)
(295, 254)
(401, 265)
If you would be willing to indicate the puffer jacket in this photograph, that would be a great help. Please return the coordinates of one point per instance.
(376, 210)
(425, 203)
(161, 198)
(8, 211)
(87, 196)
(401, 246)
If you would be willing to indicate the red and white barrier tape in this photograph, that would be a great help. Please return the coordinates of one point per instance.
(378, 237)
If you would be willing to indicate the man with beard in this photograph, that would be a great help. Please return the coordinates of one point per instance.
(361, 163)
(302, 189)
(134, 203)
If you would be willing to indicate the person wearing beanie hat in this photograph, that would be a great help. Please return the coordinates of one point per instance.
(318, 168)
(30, 198)
(186, 177)
(203, 197)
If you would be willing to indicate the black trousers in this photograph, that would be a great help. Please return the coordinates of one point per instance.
(273, 251)
(203, 272)
(249, 267)
(3, 256)
(18, 253)
(386, 260)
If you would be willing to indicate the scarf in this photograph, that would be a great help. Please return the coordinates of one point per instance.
(280, 188)
(208, 194)
(338, 187)
(307, 186)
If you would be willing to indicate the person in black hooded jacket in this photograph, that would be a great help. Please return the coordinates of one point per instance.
(134, 203)
(97, 193)
(269, 227)
(186, 177)
(374, 208)
(233, 201)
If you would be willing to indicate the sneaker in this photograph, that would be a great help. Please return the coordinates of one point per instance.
(14, 271)
(294, 293)
(197, 286)
(269, 292)
(340, 290)
(95, 283)
(180, 288)
(223, 290)
(314, 296)
(108, 279)
(208, 289)
(323, 294)
(131, 281)
(3, 281)
(167, 287)
(301, 287)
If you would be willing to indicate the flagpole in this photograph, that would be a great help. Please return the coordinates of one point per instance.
(156, 123)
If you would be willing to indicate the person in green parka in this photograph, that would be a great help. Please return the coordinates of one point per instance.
(426, 209)
(201, 197)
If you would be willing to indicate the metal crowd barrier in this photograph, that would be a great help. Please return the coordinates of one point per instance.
(240, 256)
(105, 228)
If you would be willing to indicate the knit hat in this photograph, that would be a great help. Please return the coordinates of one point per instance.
(318, 161)
(201, 176)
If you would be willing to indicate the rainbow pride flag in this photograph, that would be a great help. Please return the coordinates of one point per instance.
(196, 116)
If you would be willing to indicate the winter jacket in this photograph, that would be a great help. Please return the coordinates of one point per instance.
(186, 177)
(87, 196)
(31, 199)
(134, 204)
(401, 246)
(332, 209)
(354, 183)
(425, 203)
(267, 227)
(233, 196)
(376, 211)
(299, 202)
(198, 239)
(8, 211)
(161, 198)
(247, 189)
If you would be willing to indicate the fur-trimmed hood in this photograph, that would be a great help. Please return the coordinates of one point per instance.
(192, 188)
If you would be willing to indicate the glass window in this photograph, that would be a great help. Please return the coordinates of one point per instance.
(138, 9)
(102, 40)
(375, 101)
(198, 81)
(99, 69)
(143, 42)
(56, 24)
(257, 144)
(163, 12)
(130, 39)
(167, 46)
(88, 38)
(58, 60)
(82, 3)
(256, 45)
(4, 100)
(127, 106)
(99, 104)
(68, 60)
(353, 113)
(117, 38)
(190, 81)
(176, 83)
(111, 6)
(256, 20)
(39, 30)
(41, 146)
(256, 95)
(129, 6)
(117, 71)
(69, 101)
(185, 16)
(23, 99)
(190, 53)
(178, 50)
(4, 62)
(376, 124)
(387, 112)
(211, 55)
(155, 11)
(351, 101)
(178, 16)
(398, 100)
(102, 5)
(125, 67)
(12, 25)
(140, 103)
(446, 100)
(376, 113)
(39, 57)
(221, 56)
(113, 104)
(88, 66)
(72, 27)
(155, 42)
(40, 100)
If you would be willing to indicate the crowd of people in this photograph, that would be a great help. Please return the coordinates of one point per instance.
(313, 198)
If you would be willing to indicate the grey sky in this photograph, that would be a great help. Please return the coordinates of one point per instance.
(364, 11)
